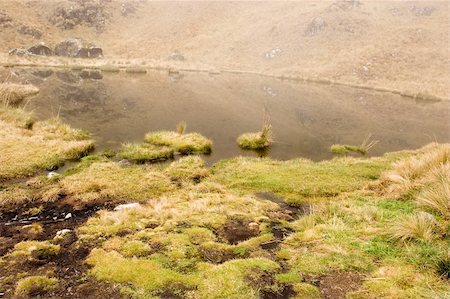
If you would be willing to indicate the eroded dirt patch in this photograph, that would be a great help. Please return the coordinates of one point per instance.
(237, 229)
(335, 285)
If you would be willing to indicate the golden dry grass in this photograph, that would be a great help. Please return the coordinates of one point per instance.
(12, 94)
(45, 146)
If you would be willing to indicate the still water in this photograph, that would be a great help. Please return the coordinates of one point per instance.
(306, 118)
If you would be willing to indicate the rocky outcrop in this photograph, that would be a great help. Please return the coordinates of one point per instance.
(75, 47)
(88, 13)
(69, 47)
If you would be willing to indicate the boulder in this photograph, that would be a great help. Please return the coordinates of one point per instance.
(69, 47)
(41, 50)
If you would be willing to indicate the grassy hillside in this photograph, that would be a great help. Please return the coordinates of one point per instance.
(395, 45)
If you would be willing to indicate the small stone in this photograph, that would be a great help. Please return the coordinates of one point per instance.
(133, 205)
(68, 216)
(52, 174)
(65, 237)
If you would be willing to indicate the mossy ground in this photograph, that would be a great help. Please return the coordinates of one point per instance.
(203, 233)
(184, 143)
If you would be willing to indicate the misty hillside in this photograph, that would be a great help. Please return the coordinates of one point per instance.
(381, 44)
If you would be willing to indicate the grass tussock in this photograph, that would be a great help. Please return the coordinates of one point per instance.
(255, 141)
(105, 181)
(13, 94)
(45, 146)
(418, 226)
(410, 175)
(363, 149)
(187, 168)
(141, 153)
(33, 286)
(183, 143)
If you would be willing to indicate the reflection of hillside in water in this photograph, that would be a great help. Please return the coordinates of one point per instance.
(306, 118)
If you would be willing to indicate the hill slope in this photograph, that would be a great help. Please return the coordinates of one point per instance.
(396, 45)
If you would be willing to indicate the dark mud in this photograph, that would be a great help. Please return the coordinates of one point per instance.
(67, 266)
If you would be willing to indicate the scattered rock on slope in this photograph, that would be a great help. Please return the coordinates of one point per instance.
(25, 30)
(317, 24)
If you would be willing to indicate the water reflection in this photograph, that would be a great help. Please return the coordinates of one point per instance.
(306, 118)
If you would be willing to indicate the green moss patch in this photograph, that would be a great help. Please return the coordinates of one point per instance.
(141, 153)
(183, 143)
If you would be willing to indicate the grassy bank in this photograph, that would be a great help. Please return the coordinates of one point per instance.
(244, 228)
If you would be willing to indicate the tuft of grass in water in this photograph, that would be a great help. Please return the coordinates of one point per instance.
(136, 70)
(187, 168)
(109, 68)
(13, 94)
(183, 143)
(342, 149)
(181, 127)
(141, 153)
(259, 140)
(33, 286)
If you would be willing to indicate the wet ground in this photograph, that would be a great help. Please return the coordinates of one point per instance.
(306, 118)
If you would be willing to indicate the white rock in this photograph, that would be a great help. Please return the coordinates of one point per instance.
(133, 205)
(63, 232)
(52, 174)
(69, 215)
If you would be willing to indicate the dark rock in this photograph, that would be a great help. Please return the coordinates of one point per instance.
(41, 50)
(95, 52)
(317, 24)
(25, 30)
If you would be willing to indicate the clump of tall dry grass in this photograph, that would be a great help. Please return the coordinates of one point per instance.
(410, 175)
(13, 94)
(418, 226)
